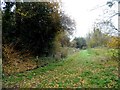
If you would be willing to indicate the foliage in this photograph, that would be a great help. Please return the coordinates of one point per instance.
(61, 44)
(63, 39)
(73, 43)
(114, 42)
(37, 29)
(34, 26)
(80, 42)
(96, 38)
(114, 45)
(33, 29)
(8, 22)
(0, 34)
(68, 23)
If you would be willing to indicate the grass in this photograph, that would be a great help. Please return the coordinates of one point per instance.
(83, 69)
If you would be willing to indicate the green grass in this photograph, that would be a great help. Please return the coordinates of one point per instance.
(83, 69)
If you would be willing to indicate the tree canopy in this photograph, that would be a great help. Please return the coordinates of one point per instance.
(33, 26)
(80, 42)
(96, 38)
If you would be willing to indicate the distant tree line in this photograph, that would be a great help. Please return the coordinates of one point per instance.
(79, 43)
(95, 38)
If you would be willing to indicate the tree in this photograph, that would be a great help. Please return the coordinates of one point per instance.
(34, 27)
(0, 34)
(107, 27)
(8, 22)
(68, 24)
(31, 29)
(73, 43)
(80, 42)
(96, 38)
(114, 42)
(106, 23)
(37, 27)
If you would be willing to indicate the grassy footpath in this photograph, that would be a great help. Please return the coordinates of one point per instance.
(82, 69)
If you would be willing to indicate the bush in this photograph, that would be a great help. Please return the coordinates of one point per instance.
(16, 61)
(114, 54)
(64, 52)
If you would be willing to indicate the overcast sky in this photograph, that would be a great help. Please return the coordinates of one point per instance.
(84, 15)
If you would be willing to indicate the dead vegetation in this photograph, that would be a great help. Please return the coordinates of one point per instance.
(16, 61)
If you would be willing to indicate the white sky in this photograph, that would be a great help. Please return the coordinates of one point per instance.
(80, 10)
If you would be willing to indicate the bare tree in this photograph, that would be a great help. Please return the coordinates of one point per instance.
(105, 24)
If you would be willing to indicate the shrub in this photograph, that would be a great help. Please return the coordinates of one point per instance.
(16, 61)
(114, 54)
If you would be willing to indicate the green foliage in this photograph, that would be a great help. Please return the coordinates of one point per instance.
(61, 44)
(114, 45)
(31, 28)
(114, 54)
(80, 42)
(8, 23)
(34, 26)
(96, 38)
(37, 29)
(73, 43)
(0, 34)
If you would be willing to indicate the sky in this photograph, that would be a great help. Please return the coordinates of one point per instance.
(85, 13)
